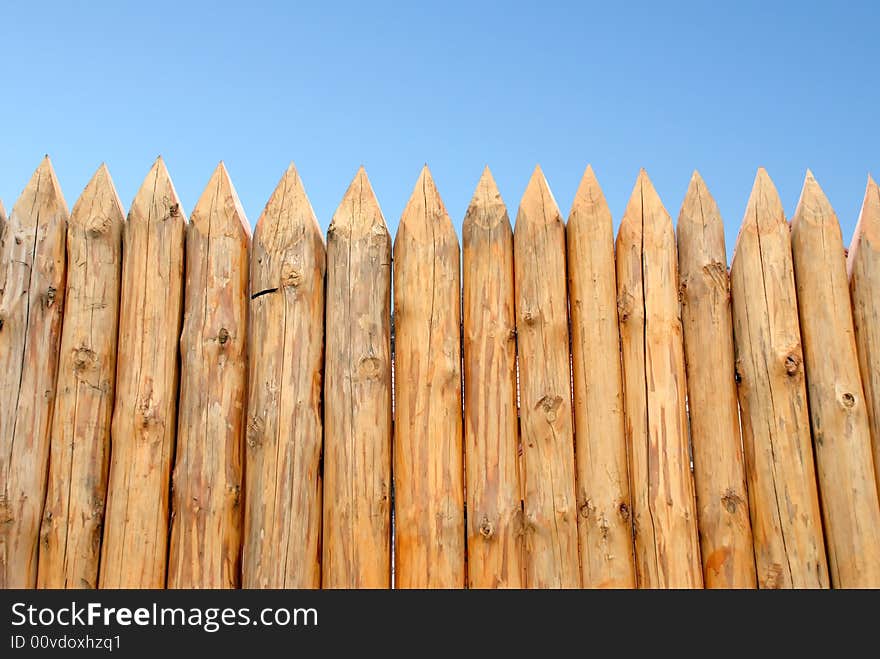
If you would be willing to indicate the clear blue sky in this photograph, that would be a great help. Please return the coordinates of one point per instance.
(721, 87)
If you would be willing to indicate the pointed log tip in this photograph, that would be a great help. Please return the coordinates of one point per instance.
(359, 206)
(538, 206)
(99, 193)
(158, 185)
(217, 193)
(425, 206)
(288, 204)
(589, 199)
(699, 210)
(46, 195)
(868, 224)
(814, 203)
(764, 207)
(486, 208)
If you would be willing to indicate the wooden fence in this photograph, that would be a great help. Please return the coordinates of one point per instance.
(183, 406)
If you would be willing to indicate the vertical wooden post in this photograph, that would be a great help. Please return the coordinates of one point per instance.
(863, 266)
(357, 394)
(664, 510)
(80, 451)
(719, 469)
(603, 497)
(206, 504)
(133, 553)
(284, 433)
(783, 498)
(32, 276)
(495, 551)
(838, 414)
(550, 515)
(428, 469)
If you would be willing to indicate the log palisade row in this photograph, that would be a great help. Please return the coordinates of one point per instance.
(206, 523)
(32, 276)
(491, 428)
(783, 496)
(357, 395)
(604, 503)
(70, 544)
(555, 391)
(839, 416)
(282, 539)
(719, 470)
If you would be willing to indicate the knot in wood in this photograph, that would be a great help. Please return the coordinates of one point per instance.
(792, 364)
(173, 210)
(623, 511)
(586, 509)
(369, 367)
(255, 429)
(550, 404)
(487, 530)
(50, 296)
(291, 277)
(624, 305)
(223, 336)
(83, 359)
(730, 500)
(848, 400)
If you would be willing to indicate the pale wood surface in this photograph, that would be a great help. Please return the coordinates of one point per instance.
(838, 414)
(719, 470)
(428, 461)
(357, 394)
(549, 499)
(80, 450)
(134, 548)
(491, 427)
(783, 497)
(284, 432)
(665, 522)
(206, 524)
(32, 276)
(863, 266)
(603, 498)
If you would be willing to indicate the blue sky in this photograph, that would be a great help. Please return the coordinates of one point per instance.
(721, 87)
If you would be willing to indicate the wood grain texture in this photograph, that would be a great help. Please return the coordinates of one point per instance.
(719, 467)
(206, 524)
(863, 267)
(73, 518)
(603, 498)
(32, 276)
(783, 497)
(284, 432)
(491, 427)
(664, 511)
(428, 461)
(549, 499)
(838, 414)
(134, 548)
(357, 394)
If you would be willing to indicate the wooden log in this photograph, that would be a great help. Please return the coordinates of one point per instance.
(134, 549)
(664, 511)
(491, 427)
(284, 433)
(549, 499)
(428, 463)
(863, 267)
(603, 497)
(838, 414)
(80, 449)
(357, 394)
(32, 276)
(783, 497)
(719, 470)
(206, 524)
